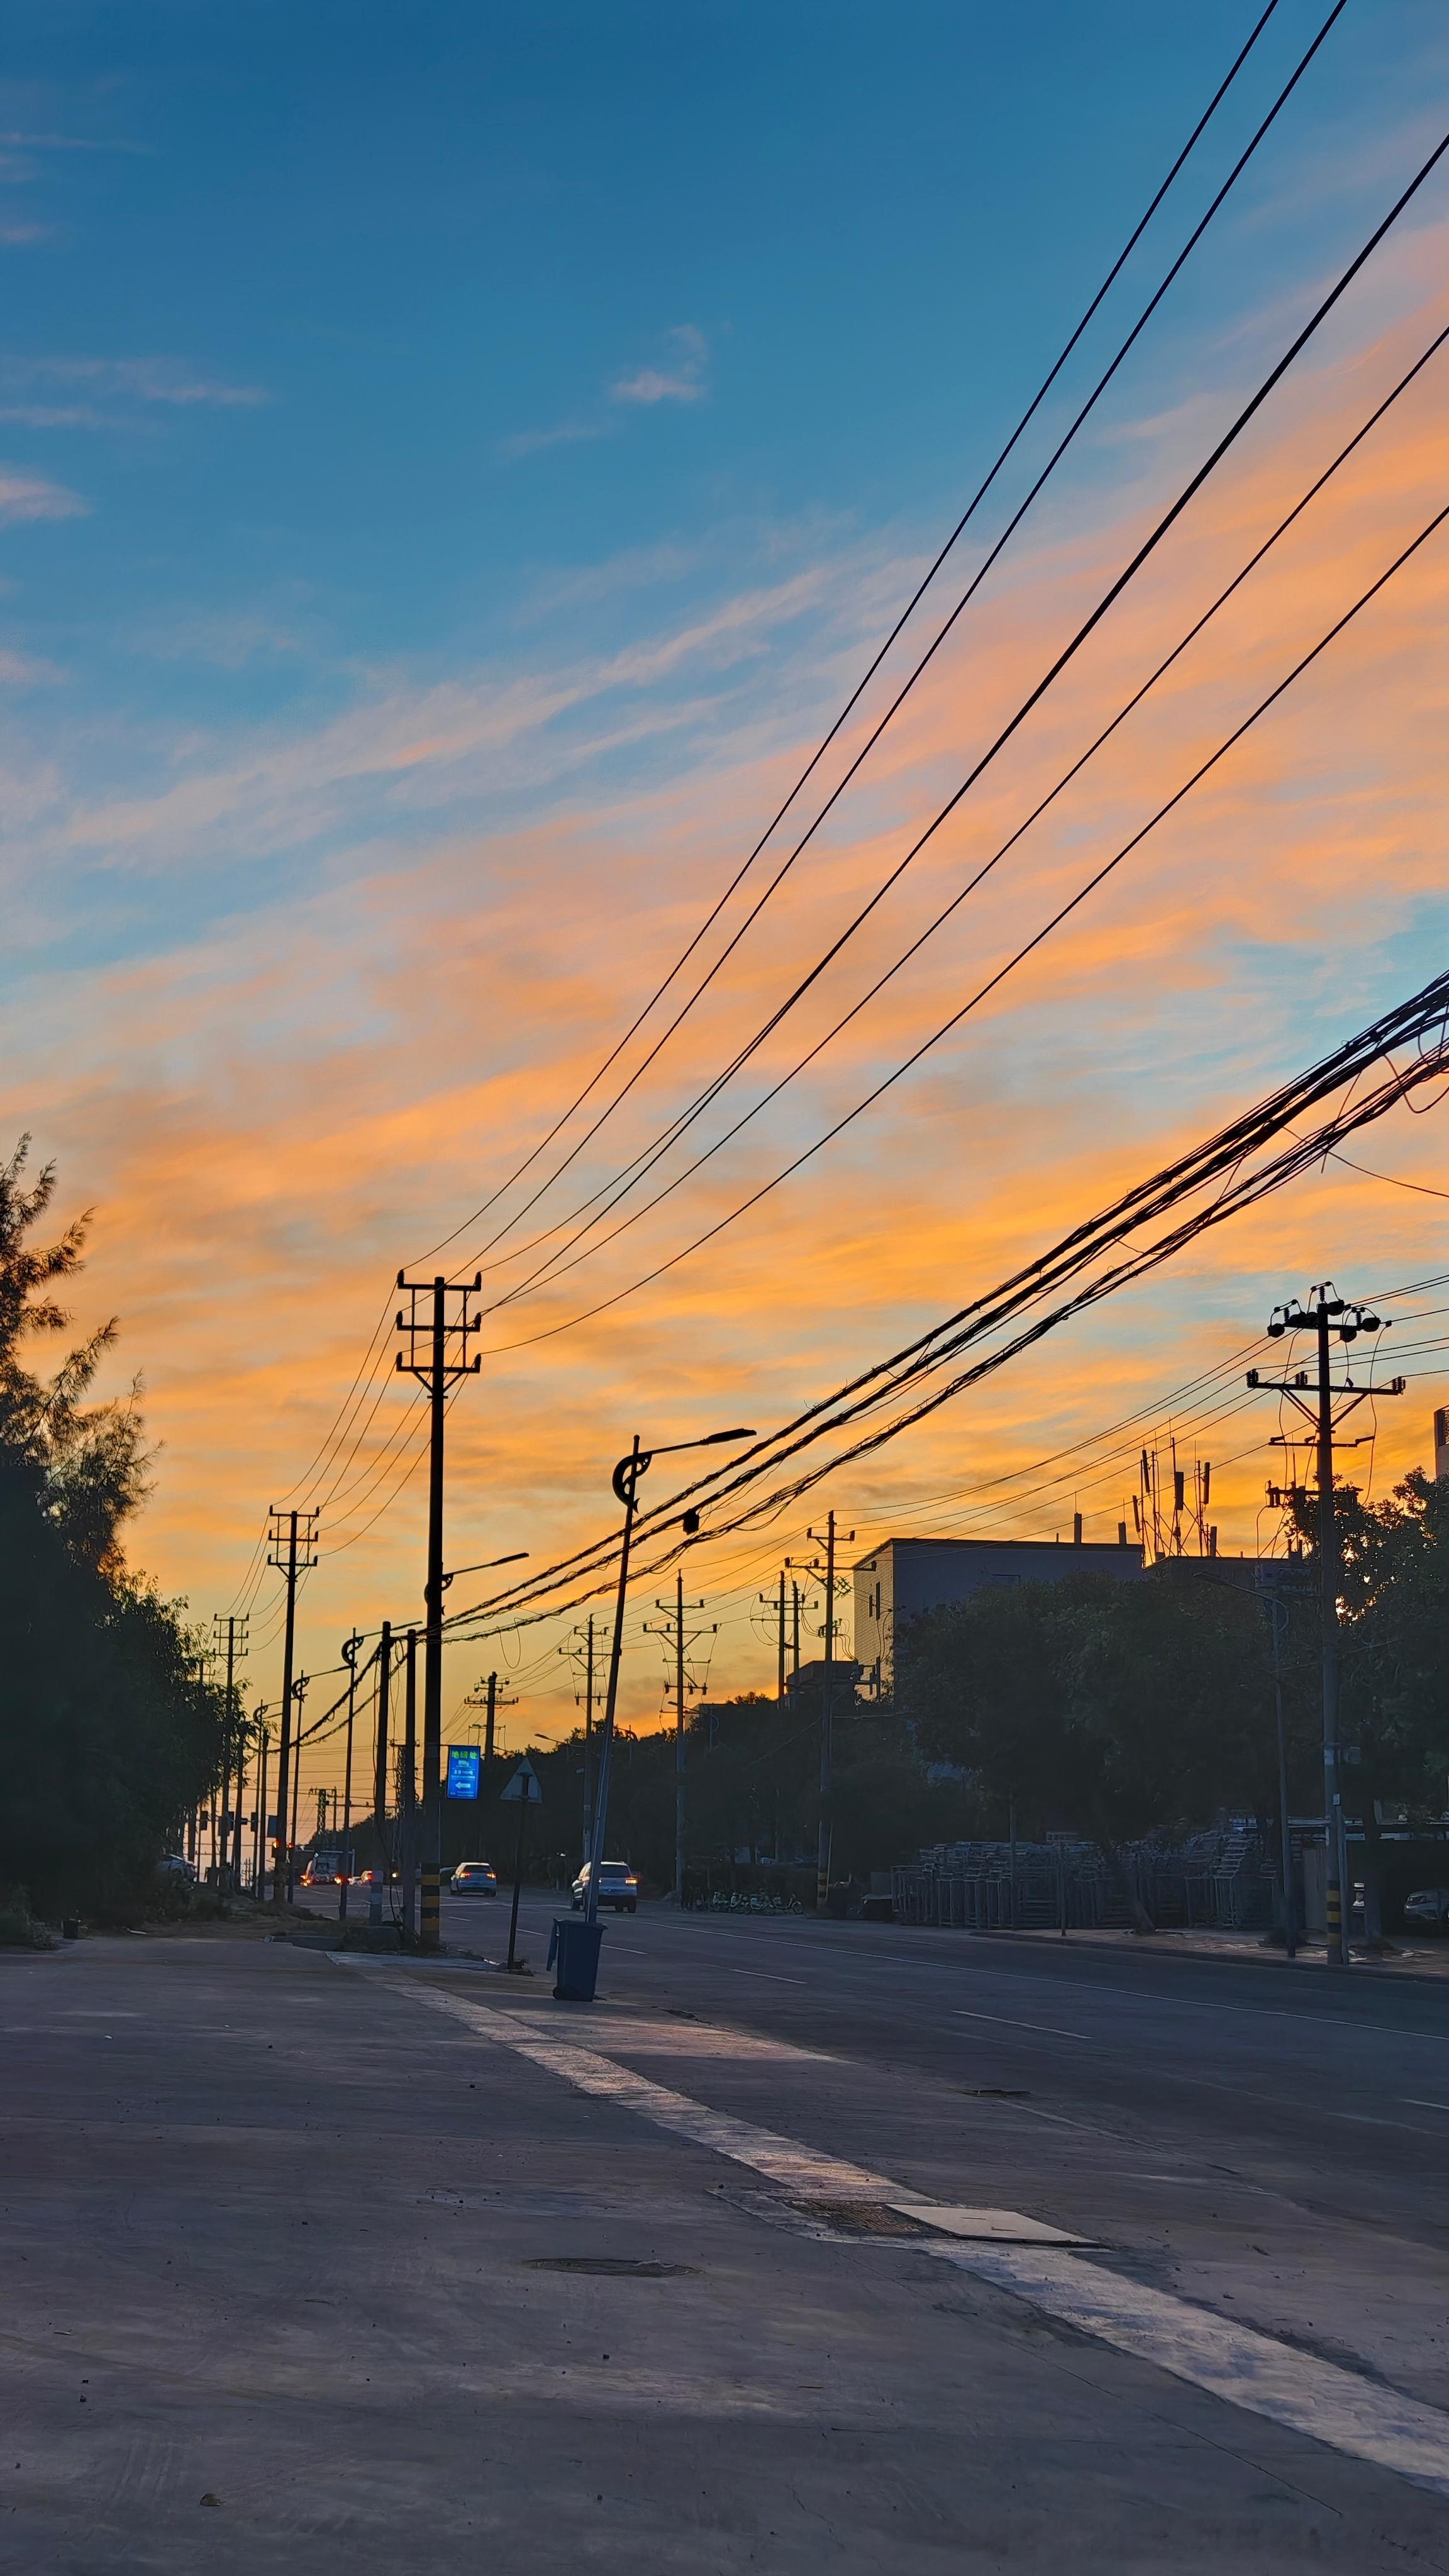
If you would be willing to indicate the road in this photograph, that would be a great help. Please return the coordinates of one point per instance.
(283, 2232)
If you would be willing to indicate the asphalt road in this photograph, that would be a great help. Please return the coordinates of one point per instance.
(281, 2232)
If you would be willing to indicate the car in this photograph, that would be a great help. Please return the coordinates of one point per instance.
(1429, 1908)
(368, 1879)
(176, 1865)
(618, 1887)
(322, 1871)
(474, 1878)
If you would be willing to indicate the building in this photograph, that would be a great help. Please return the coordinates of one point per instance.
(1441, 1443)
(904, 1576)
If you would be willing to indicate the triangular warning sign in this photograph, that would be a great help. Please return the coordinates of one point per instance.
(523, 1788)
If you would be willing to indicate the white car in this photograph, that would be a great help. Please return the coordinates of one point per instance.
(618, 1887)
(474, 1878)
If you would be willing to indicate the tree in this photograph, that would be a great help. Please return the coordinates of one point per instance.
(1393, 1655)
(106, 1734)
(1122, 1710)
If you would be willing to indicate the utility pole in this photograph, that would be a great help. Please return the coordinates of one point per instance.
(235, 1651)
(827, 1712)
(681, 1642)
(1325, 1314)
(349, 1657)
(408, 1786)
(445, 1340)
(292, 1548)
(779, 1607)
(588, 1734)
(490, 1703)
(299, 1694)
(379, 1780)
(259, 1830)
(572, 1651)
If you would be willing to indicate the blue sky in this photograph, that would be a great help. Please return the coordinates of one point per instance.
(450, 463)
(367, 319)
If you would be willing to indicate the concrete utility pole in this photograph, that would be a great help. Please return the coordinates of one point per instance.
(235, 1650)
(292, 1548)
(682, 1641)
(827, 1713)
(349, 1657)
(588, 1733)
(378, 1884)
(299, 1694)
(572, 1649)
(259, 1830)
(1325, 1314)
(778, 1606)
(445, 1339)
(408, 1785)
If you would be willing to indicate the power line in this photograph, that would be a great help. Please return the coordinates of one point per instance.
(358, 1390)
(556, 1266)
(1221, 1160)
(912, 603)
(986, 989)
(897, 702)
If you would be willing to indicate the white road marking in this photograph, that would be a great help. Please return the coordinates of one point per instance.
(1090, 1986)
(769, 1979)
(1411, 2104)
(1047, 2029)
(983, 2226)
(1355, 2416)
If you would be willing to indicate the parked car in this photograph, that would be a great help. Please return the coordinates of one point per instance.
(474, 1878)
(176, 1865)
(618, 1887)
(1429, 1908)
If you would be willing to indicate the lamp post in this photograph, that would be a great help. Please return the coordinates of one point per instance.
(626, 1487)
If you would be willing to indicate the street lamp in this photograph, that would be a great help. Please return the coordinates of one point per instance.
(625, 1482)
(517, 1557)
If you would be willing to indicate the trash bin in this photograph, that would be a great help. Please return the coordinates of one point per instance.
(575, 1945)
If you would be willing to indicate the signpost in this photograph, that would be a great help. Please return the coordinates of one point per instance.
(523, 1791)
(464, 1763)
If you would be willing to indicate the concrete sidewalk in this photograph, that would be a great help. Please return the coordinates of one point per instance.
(302, 2271)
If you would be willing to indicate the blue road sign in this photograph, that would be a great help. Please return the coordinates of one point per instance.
(463, 1767)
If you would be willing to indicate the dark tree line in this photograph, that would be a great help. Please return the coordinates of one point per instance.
(107, 1736)
(1121, 1711)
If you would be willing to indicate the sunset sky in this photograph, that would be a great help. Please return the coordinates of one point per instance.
(454, 465)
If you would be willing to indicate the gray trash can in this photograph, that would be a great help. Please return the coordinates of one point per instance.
(575, 1946)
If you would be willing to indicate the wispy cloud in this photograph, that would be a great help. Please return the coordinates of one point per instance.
(680, 381)
(14, 236)
(527, 442)
(26, 671)
(66, 143)
(30, 496)
(143, 380)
